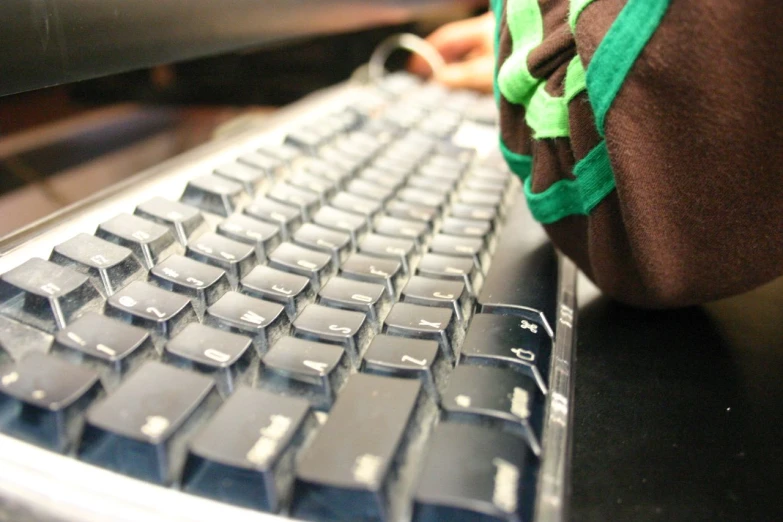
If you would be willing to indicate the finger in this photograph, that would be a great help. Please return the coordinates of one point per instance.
(455, 41)
(474, 74)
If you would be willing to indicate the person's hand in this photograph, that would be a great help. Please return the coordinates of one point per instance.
(467, 49)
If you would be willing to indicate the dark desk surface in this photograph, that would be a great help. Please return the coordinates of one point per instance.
(679, 414)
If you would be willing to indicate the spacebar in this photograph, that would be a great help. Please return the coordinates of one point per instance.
(522, 278)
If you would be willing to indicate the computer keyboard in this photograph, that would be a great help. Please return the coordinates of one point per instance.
(348, 314)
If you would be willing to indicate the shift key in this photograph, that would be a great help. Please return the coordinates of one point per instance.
(346, 472)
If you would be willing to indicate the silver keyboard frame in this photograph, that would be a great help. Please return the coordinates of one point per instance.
(37, 484)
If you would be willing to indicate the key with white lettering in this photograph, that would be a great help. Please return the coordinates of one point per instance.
(412, 211)
(437, 185)
(145, 305)
(287, 217)
(245, 453)
(322, 169)
(265, 322)
(366, 188)
(381, 179)
(203, 283)
(140, 428)
(236, 258)
(468, 247)
(397, 248)
(478, 228)
(149, 242)
(355, 457)
(305, 201)
(214, 194)
(480, 199)
(263, 236)
(423, 197)
(313, 370)
(497, 396)
(109, 266)
(45, 295)
(290, 290)
(322, 187)
(336, 244)
(368, 298)
(331, 217)
(407, 358)
(424, 322)
(438, 266)
(185, 222)
(403, 228)
(347, 328)
(110, 347)
(264, 162)
(317, 266)
(439, 292)
(356, 204)
(466, 211)
(371, 269)
(473, 473)
(42, 399)
(251, 179)
(224, 356)
(507, 340)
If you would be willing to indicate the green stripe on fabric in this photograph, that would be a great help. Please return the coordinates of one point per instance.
(547, 115)
(575, 8)
(618, 51)
(594, 180)
(520, 164)
(524, 21)
(574, 79)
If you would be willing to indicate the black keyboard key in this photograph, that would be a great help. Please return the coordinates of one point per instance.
(322, 169)
(184, 222)
(498, 396)
(42, 399)
(153, 308)
(345, 162)
(111, 347)
(286, 217)
(347, 470)
(305, 201)
(403, 228)
(263, 236)
(407, 358)
(109, 266)
(336, 244)
(386, 272)
(140, 429)
(322, 187)
(265, 322)
(268, 164)
(225, 356)
(281, 151)
(204, 284)
(305, 139)
(478, 228)
(473, 473)
(480, 199)
(368, 298)
(423, 197)
(412, 211)
(349, 329)
(149, 241)
(300, 367)
(438, 266)
(400, 249)
(482, 185)
(465, 211)
(18, 339)
(245, 454)
(365, 188)
(316, 266)
(424, 322)
(444, 175)
(380, 179)
(438, 186)
(45, 295)
(251, 179)
(505, 340)
(356, 204)
(439, 292)
(237, 259)
(337, 219)
(214, 194)
(290, 290)
(459, 246)
(523, 280)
